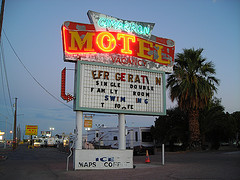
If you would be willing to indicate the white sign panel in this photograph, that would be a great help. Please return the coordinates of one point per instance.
(103, 159)
(105, 88)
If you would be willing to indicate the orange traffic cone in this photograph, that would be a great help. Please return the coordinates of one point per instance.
(147, 160)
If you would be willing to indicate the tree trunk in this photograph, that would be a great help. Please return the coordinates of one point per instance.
(194, 139)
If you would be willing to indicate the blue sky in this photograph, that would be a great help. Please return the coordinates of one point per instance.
(34, 30)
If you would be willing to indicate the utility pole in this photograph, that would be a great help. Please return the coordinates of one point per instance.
(15, 126)
(1, 17)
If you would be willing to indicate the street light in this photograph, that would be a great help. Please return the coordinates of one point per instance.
(51, 129)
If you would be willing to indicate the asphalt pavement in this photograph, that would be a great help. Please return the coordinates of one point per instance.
(50, 163)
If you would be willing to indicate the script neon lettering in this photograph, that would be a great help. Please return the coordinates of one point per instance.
(101, 22)
(146, 30)
(126, 26)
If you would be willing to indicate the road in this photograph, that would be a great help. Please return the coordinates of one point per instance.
(49, 163)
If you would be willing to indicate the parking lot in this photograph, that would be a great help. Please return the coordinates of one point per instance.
(50, 163)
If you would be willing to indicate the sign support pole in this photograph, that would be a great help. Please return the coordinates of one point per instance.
(78, 132)
(163, 160)
(79, 122)
(122, 130)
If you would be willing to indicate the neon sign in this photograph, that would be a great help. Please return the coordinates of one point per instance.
(85, 42)
(104, 22)
(124, 26)
(110, 40)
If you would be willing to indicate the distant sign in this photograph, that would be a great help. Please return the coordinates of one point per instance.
(31, 130)
(87, 121)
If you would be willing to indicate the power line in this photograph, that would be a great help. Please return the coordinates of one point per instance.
(31, 73)
(5, 70)
(1, 69)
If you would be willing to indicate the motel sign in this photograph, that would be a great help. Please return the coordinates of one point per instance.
(118, 42)
(119, 68)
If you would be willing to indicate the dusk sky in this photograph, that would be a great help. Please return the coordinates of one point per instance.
(33, 28)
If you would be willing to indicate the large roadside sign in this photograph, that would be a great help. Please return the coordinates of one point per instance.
(119, 68)
(31, 130)
(105, 88)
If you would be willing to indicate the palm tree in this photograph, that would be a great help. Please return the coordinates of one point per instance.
(192, 84)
